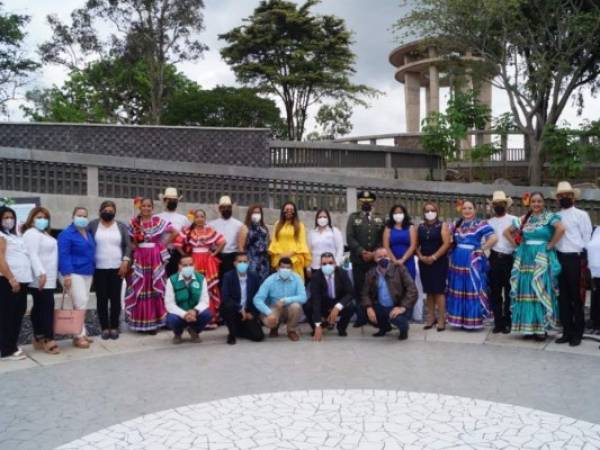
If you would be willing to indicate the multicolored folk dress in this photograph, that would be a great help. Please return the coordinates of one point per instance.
(257, 245)
(144, 298)
(467, 299)
(201, 242)
(534, 278)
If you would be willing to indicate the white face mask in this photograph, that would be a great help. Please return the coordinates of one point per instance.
(322, 221)
(430, 215)
(398, 217)
(256, 217)
(8, 224)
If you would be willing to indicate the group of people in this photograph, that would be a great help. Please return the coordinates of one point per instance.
(186, 273)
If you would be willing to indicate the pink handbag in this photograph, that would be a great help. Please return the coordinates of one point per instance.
(68, 321)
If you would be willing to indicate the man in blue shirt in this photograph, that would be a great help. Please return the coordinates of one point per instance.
(280, 299)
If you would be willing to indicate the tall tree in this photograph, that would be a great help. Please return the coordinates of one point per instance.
(158, 32)
(15, 66)
(285, 50)
(541, 52)
(332, 121)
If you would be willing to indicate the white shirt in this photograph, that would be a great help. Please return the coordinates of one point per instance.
(230, 229)
(108, 247)
(593, 253)
(500, 224)
(179, 221)
(330, 240)
(578, 230)
(171, 305)
(243, 292)
(17, 258)
(43, 253)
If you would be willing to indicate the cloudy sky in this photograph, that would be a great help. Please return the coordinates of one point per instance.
(371, 22)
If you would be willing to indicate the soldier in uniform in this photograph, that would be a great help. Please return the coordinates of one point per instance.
(364, 233)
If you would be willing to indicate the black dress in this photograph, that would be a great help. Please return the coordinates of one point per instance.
(434, 276)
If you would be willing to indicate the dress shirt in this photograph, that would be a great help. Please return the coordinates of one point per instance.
(179, 221)
(171, 305)
(383, 292)
(499, 224)
(578, 230)
(275, 288)
(43, 251)
(230, 229)
(17, 257)
(593, 253)
(330, 240)
(243, 290)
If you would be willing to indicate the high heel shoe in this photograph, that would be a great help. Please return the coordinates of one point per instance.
(430, 326)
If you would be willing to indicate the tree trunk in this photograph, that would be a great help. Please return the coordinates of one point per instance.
(535, 160)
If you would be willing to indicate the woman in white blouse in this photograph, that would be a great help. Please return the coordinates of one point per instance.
(325, 238)
(15, 275)
(43, 252)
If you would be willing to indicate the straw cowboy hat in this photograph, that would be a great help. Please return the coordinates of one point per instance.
(564, 187)
(225, 201)
(500, 196)
(171, 193)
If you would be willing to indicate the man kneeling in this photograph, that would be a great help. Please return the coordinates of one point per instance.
(389, 295)
(280, 299)
(186, 300)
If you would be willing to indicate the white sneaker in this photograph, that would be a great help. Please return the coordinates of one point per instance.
(14, 357)
(19, 352)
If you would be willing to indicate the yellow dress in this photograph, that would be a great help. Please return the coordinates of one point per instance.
(285, 243)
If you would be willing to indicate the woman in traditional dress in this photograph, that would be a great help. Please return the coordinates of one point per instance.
(534, 277)
(204, 243)
(254, 240)
(467, 299)
(400, 239)
(289, 240)
(144, 298)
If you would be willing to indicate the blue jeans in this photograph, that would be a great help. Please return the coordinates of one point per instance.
(384, 321)
(177, 324)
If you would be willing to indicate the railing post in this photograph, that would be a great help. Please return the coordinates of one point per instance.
(93, 188)
(350, 200)
(388, 160)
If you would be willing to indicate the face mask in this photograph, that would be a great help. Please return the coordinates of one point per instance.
(565, 202)
(40, 223)
(8, 224)
(256, 217)
(187, 271)
(242, 267)
(383, 263)
(322, 221)
(500, 210)
(398, 218)
(226, 213)
(80, 222)
(366, 207)
(172, 205)
(430, 215)
(327, 269)
(107, 216)
(285, 273)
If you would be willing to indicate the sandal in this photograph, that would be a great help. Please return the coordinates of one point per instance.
(80, 342)
(51, 347)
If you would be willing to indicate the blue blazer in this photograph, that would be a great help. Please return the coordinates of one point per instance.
(231, 295)
(76, 254)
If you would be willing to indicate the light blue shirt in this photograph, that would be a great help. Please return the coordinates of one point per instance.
(274, 288)
(243, 293)
(383, 293)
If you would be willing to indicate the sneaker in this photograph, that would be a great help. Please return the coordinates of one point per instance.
(14, 357)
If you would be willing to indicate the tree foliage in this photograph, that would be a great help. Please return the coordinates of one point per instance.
(285, 50)
(332, 121)
(569, 150)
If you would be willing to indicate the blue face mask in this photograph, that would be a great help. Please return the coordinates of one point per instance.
(327, 269)
(285, 273)
(384, 263)
(80, 222)
(242, 267)
(187, 271)
(40, 223)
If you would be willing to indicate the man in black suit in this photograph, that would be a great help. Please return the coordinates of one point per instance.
(238, 289)
(331, 294)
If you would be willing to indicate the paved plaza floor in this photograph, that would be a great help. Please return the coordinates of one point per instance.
(453, 389)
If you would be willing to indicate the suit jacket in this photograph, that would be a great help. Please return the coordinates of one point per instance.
(231, 294)
(344, 292)
(402, 287)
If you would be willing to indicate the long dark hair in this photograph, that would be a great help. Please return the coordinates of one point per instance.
(281, 221)
(248, 220)
(3, 210)
(405, 223)
(193, 225)
(328, 217)
(530, 210)
(460, 221)
(34, 212)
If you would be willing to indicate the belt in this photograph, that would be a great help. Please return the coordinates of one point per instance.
(501, 254)
(200, 250)
(146, 245)
(535, 242)
(570, 253)
(466, 246)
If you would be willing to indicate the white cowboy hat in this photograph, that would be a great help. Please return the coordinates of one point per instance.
(170, 192)
(500, 196)
(225, 201)
(564, 187)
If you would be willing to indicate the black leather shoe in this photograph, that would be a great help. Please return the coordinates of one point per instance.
(540, 337)
(231, 339)
(403, 335)
(380, 333)
(563, 340)
(498, 329)
(342, 333)
(575, 342)
(358, 324)
(506, 330)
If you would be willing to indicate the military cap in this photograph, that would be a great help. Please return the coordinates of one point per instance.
(366, 196)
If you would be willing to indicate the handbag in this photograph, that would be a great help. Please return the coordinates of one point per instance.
(68, 321)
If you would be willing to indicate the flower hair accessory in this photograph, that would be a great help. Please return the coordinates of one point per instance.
(459, 204)
(191, 215)
(137, 202)
(525, 199)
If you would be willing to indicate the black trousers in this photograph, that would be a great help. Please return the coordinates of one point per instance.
(42, 313)
(248, 329)
(326, 307)
(595, 304)
(499, 276)
(12, 310)
(226, 264)
(359, 271)
(570, 306)
(172, 266)
(108, 292)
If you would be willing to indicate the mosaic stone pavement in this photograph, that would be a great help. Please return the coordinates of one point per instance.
(346, 419)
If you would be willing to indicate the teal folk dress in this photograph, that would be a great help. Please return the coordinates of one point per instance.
(534, 278)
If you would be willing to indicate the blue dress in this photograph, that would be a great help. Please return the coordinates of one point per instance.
(257, 245)
(400, 243)
(467, 299)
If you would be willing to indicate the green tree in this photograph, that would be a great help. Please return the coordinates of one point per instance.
(14, 65)
(285, 50)
(541, 52)
(333, 121)
(158, 32)
(568, 150)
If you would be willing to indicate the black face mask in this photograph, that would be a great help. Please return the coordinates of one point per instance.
(172, 205)
(565, 202)
(366, 207)
(500, 210)
(226, 213)
(107, 216)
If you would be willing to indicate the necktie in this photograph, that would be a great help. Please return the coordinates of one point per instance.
(330, 288)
